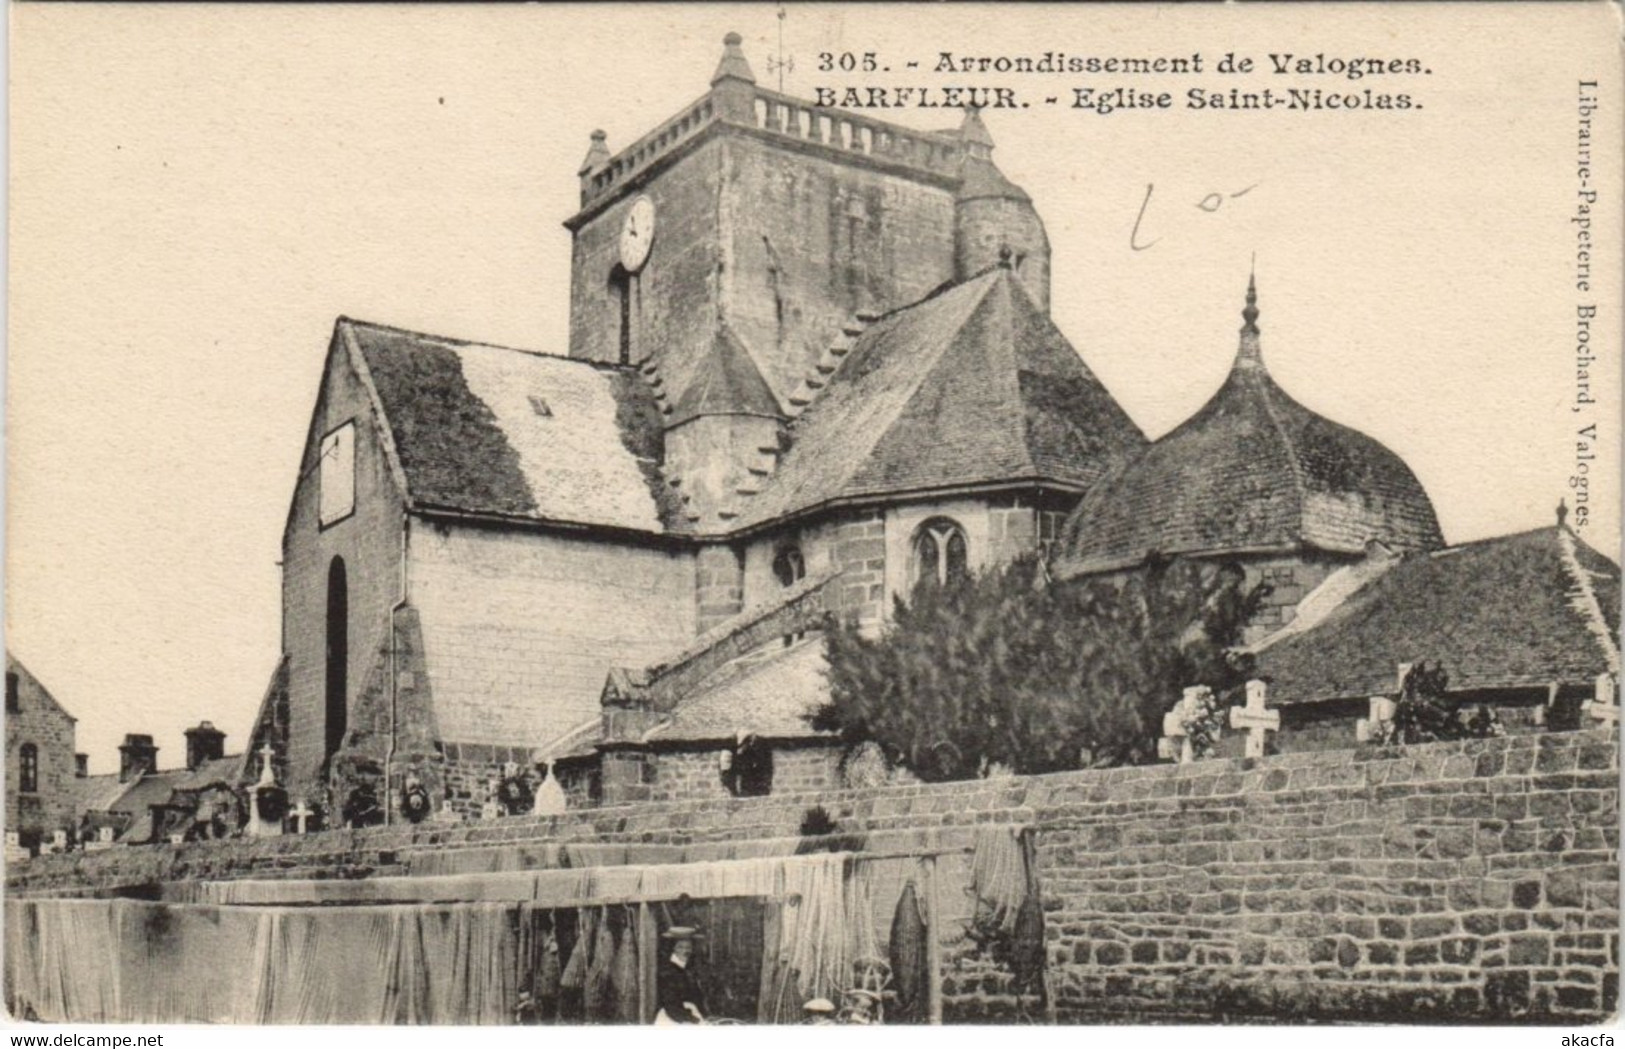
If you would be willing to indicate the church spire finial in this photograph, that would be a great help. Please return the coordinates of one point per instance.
(597, 154)
(974, 134)
(1250, 354)
(733, 65)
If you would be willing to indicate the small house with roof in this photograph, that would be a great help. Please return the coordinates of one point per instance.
(1526, 623)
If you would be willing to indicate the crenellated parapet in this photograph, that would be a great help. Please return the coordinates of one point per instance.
(736, 103)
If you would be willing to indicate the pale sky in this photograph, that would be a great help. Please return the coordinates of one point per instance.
(198, 191)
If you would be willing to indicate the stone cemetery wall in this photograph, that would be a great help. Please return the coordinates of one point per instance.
(1475, 880)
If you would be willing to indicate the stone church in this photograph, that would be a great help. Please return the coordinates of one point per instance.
(810, 363)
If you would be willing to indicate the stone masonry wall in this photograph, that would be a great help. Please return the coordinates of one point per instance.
(519, 628)
(39, 720)
(368, 541)
(858, 552)
(1470, 881)
(684, 775)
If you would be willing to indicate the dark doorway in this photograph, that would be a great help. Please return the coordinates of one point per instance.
(338, 654)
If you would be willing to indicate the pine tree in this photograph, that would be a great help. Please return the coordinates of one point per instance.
(1007, 670)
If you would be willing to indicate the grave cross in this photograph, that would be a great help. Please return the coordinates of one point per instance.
(492, 809)
(1382, 713)
(267, 777)
(301, 814)
(1173, 727)
(1604, 704)
(1255, 718)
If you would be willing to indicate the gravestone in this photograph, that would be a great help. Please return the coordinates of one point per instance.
(15, 853)
(1255, 718)
(1603, 706)
(492, 809)
(1175, 742)
(1381, 713)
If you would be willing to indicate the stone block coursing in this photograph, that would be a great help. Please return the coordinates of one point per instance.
(38, 720)
(1474, 881)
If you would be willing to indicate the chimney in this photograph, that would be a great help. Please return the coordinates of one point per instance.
(81, 766)
(204, 743)
(136, 755)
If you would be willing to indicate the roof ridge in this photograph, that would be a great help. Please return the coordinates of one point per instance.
(455, 341)
(1583, 599)
(1264, 381)
(875, 433)
(1456, 548)
(1011, 373)
(937, 292)
(921, 376)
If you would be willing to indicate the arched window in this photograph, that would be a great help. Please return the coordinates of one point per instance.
(338, 654)
(28, 769)
(941, 555)
(789, 568)
(620, 286)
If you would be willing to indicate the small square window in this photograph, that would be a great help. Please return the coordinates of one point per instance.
(338, 474)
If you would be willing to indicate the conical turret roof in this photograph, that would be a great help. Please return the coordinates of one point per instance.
(1252, 471)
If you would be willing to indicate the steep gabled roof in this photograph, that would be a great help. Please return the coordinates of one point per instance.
(972, 386)
(770, 693)
(15, 666)
(1253, 470)
(1516, 611)
(489, 430)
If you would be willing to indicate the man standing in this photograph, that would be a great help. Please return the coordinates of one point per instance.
(677, 991)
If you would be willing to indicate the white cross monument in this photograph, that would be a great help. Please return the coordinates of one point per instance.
(301, 814)
(267, 777)
(1255, 719)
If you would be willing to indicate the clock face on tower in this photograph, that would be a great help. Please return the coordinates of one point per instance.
(637, 234)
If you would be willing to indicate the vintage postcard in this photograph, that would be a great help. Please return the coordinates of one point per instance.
(813, 514)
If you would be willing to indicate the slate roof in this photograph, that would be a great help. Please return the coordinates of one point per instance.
(1253, 470)
(490, 430)
(105, 794)
(1515, 611)
(767, 693)
(973, 385)
(727, 382)
(99, 793)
